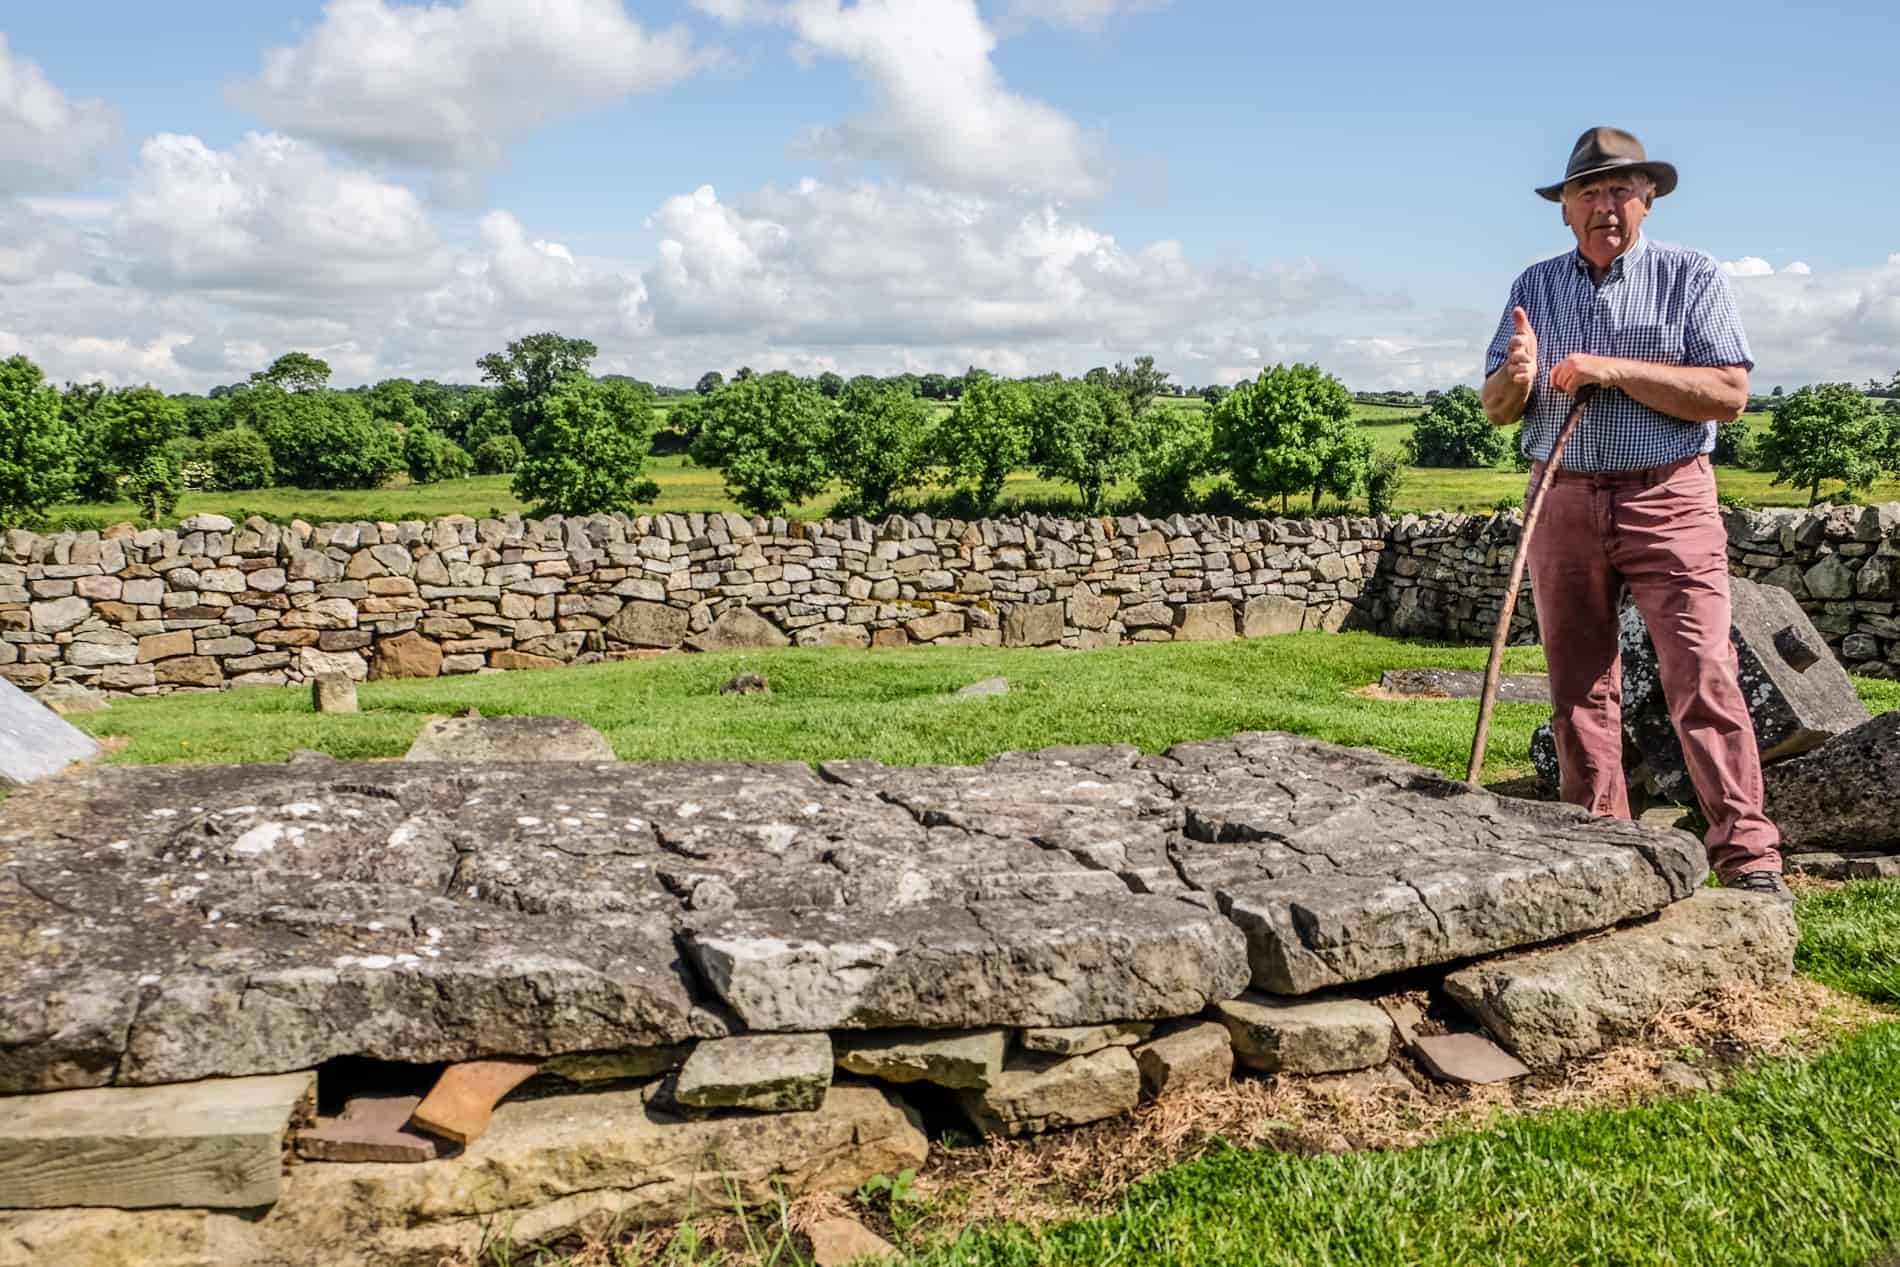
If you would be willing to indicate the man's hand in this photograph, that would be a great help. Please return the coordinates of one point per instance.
(1581, 369)
(1520, 359)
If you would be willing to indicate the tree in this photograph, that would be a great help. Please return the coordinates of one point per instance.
(528, 372)
(38, 446)
(1082, 433)
(985, 437)
(1383, 481)
(94, 477)
(831, 384)
(742, 373)
(320, 439)
(135, 425)
(768, 433)
(1212, 393)
(587, 453)
(1827, 432)
(1291, 431)
(295, 372)
(879, 444)
(432, 456)
(709, 382)
(1139, 383)
(1777, 392)
(933, 387)
(1734, 445)
(499, 455)
(240, 460)
(1455, 432)
(1175, 447)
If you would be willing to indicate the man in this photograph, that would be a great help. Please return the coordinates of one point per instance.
(1653, 328)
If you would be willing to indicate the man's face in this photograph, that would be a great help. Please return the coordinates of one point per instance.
(1605, 212)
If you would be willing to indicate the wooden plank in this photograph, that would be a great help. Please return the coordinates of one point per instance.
(216, 1144)
(458, 1107)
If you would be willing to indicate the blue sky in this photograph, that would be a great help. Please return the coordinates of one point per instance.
(1027, 184)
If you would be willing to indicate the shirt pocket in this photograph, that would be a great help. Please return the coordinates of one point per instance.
(1650, 342)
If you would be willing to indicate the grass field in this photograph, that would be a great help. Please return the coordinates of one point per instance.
(1797, 1161)
(685, 487)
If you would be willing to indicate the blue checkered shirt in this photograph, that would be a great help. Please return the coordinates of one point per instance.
(1657, 303)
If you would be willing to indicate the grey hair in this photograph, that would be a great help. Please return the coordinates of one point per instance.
(1644, 183)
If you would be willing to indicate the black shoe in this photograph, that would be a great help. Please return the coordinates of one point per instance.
(1767, 884)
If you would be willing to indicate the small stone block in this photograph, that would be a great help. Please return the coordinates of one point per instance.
(1466, 1058)
(1196, 1057)
(463, 1099)
(989, 686)
(1306, 1036)
(845, 1242)
(1036, 1093)
(1080, 1040)
(774, 1073)
(212, 1145)
(333, 693)
(961, 1060)
(370, 1128)
(618, 1066)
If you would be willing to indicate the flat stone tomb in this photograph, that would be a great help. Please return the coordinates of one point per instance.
(179, 923)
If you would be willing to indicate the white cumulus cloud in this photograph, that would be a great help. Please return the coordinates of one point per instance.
(46, 140)
(1833, 326)
(1075, 13)
(444, 86)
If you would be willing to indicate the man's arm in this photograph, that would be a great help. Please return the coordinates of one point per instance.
(1691, 393)
(1507, 389)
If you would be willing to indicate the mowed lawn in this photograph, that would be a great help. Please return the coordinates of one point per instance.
(1795, 1162)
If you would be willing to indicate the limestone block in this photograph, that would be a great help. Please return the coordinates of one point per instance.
(1032, 624)
(406, 655)
(1205, 622)
(34, 740)
(773, 1073)
(1845, 795)
(1080, 1040)
(645, 624)
(966, 1058)
(1187, 1056)
(509, 739)
(739, 628)
(1038, 1093)
(1279, 1035)
(1272, 614)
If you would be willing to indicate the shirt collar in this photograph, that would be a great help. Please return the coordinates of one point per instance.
(1619, 265)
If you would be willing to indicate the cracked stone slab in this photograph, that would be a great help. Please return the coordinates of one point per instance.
(1572, 1000)
(1841, 797)
(35, 741)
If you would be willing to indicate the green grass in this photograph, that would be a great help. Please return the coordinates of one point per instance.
(895, 706)
(1850, 939)
(1795, 1163)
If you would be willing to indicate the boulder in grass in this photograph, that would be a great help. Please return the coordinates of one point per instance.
(1844, 797)
(34, 740)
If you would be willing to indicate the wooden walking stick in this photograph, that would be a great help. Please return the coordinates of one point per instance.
(1488, 699)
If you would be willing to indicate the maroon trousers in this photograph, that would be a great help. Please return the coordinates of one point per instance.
(1658, 532)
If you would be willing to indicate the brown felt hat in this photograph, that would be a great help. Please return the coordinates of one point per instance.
(1606, 150)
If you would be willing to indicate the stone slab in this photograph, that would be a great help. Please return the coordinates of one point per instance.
(1576, 999)
(1306, 1036)
(1521, 688)
(36, 742)
(1797, 703)
(1188, 1056)
(970, 1058)
(1843, 797)
(845, 1242)
(773, 1073)
(1038, 1093)
(565, 1166)
(509, 739)
(1080, 1040)
(370, 1128)
(213, 1144)
(1846, 866)
(463, 1099)
(618, 1066)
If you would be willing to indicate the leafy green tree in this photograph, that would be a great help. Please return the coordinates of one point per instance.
(880, 439)
(1455, 432)
(1734, 445)
(933, 386)
(1139, 383)
(985, 437)
(710, 382)
(587, 455)
(1291, 431)
(742, 373)
(907, 382)
(1827, 432)
(203, 414)
(320, 439)
(1176, 446)
(1384, 481)
(38, 446)
(1212, 393)
(528, 372)
(831, 384)
(769, 434)
(432, 457)
(295, 372)
(135, 425)
(239, 459)
(499, 455)
(1082, 433)
(95, 478)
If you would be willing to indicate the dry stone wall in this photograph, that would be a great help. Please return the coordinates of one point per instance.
(214, 604)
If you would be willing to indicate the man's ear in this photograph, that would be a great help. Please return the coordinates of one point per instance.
(1564, 211)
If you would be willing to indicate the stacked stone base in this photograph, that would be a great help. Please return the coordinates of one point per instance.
(740, 979)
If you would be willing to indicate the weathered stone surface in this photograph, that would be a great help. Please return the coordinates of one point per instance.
(34, 740)
(70, 699)
(406, 655)
(1193, 1056)
(1846, 866)
(1037, 1093)
(1571, 1000)
(987, 688)
(1272, 614)
(644, 624)
(1343, 865)
(333, 693)
(969, 1058)
(738, 629)
(1529, 688)
(1032, 624)
(1794, 709)
(1205, 622)
(1080, 1040)
(618, 1066)
(1276, 1035)
(845, 1242)
(509, 739)
(774, 1073)
(370, 1128)
(190, 670)
(1844, 796)
(581, 1165)
(216, 1144)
